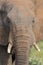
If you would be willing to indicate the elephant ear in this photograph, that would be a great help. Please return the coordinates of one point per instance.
(6, 7)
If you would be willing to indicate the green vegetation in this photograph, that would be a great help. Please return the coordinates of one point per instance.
(36, 58)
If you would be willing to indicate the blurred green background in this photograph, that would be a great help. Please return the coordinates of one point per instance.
(36, 58)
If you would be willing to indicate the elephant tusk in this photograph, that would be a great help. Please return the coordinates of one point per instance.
(36, 46)
(9, 48)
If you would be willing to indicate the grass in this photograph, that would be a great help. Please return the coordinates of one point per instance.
(37, 55)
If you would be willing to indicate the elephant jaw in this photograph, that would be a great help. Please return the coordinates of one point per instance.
(36, 46)
(9, 48)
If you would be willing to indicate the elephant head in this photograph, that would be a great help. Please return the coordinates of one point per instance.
(21, 33)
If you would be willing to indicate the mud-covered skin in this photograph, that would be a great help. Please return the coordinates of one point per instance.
(23, 35)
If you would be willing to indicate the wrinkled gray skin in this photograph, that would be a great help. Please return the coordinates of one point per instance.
(5, 58)
(21, 33)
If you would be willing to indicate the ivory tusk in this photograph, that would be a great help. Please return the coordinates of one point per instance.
(9, 48)
(36, 46)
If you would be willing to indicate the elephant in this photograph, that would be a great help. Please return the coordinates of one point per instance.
(21, 34)
(5, 58)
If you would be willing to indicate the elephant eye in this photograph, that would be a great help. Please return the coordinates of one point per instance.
(33, 21)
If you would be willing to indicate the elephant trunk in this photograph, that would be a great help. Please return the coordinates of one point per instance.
(22, 47)
(21, 50)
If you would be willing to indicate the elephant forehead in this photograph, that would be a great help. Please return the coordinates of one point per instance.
(24, 4)
(20, 17)
(21, 14)
(21, 9)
